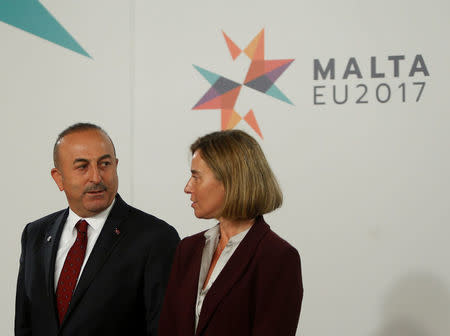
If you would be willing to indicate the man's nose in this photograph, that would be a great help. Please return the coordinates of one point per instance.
(95, 175)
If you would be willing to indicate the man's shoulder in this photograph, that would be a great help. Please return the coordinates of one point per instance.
(145, 222)
(39, 227)
(46, 220)
(145, 218)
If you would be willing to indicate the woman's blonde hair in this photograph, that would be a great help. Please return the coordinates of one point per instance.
(238, 161)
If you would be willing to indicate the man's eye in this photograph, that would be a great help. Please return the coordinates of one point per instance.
(105, 163)
(81, 167)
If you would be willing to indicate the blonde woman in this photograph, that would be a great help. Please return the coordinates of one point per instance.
(239, 277)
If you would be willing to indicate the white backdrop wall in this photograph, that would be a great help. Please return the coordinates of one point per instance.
(366, 185)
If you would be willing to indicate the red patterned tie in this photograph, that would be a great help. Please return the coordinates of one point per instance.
(71, 269)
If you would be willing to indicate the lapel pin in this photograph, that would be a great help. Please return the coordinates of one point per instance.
(117, 231)
(49, 238)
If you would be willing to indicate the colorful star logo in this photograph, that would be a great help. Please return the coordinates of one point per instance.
(261, 76)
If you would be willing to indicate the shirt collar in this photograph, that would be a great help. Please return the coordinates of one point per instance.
(236, 239)
(214, 233)
(95, 222)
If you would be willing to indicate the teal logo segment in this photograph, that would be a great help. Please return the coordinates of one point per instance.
(32, 17)
(208, 75)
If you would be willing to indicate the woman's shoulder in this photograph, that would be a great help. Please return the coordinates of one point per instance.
(193, 238)
(274, 246)
(274, 252)
(192, 241)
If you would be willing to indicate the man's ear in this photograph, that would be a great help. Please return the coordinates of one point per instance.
(57, 177)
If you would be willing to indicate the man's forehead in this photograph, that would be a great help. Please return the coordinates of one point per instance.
(86, 141)
(86, 136)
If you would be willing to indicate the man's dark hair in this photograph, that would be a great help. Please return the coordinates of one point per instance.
(78, 127)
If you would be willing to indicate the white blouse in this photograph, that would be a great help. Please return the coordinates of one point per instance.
(212, 240)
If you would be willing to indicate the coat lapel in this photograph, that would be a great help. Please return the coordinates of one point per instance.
(194, 271)
(50, 248)
(232, 271)
(111, 234)
(51, 242)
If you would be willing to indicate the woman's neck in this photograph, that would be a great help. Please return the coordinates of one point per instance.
(229, 228)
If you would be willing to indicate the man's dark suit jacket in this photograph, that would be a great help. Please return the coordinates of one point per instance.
(121, 289)
(258, 292)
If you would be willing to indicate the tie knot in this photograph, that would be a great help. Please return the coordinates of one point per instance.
(82, 226)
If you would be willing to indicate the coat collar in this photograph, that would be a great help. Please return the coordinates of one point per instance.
(51, 242)
(112, 232)
(232, 271)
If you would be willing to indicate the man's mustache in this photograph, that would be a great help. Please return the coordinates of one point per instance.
(95, 187)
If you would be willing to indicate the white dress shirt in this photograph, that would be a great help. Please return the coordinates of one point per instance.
(69, 234)
(212, 240)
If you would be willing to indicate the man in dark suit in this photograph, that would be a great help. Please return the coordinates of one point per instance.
(99, 267)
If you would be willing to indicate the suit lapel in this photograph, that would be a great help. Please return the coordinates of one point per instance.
(194, 271)
(232, 271)
(112, 232)
(50, 248)
(51, 243)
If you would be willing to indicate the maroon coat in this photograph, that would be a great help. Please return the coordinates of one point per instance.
(259, 291)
